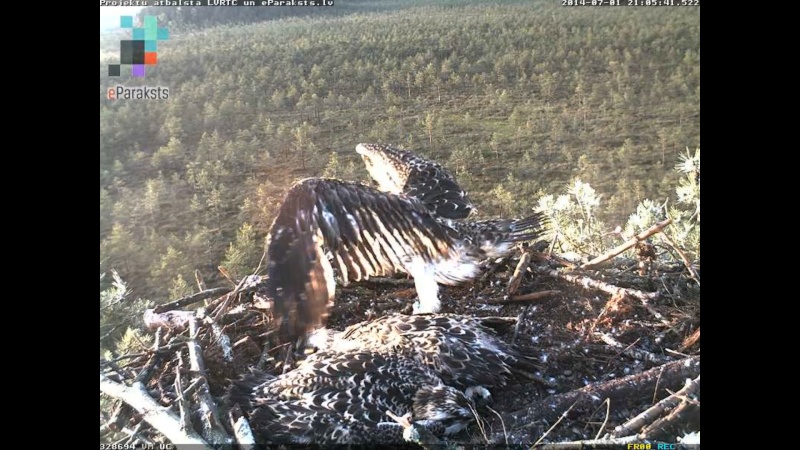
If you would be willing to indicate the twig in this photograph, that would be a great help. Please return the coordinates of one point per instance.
(677, 418)
(389, 281)
(620, 391)
(691, 340)
(656, 410)
(560, 418)
(261, 261)
(120, 415)
(524, 297)
(502, 422)
(241, 429)
(627, 244)
(120, 358)
(600, 285)
(157, 340)
(191, 299)
(148, 370)
(562, 261)
(605, 421)
(676, 353)
(192, 387)
(161, 418)
(518, 325)
(221, 339)
(485, 278)
(635, 353)
(513, 282)
(198, 278)
(591, 443)
(655, 388)
(225, 274)
(134, 435)
(265, 357)
(246, 284)
(183, 405)
(553, 243)
(212, 427)
(683, 256)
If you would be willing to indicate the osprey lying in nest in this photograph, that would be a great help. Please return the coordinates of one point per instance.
(410, 226)
(437, 368)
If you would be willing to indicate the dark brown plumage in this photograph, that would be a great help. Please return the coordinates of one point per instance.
(402, 172)
(410, 225)
(368, 233)
(434, 367)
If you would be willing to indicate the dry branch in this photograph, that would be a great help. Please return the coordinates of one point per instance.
(627, 244)
(183, 405)
(219, 306)
(220, 338)
(212, 427)
(650, 414)
(691, 340)
(668, 426)
(620, 391)
(513, 282)
(388, 281)
(241, 429)
(493, 268)
(118, 417)
(191, 299)
(683, 256)
(630, 351)
(560, 418)
(161, 418)
(524, 298)
(602, 286)
(613, 444)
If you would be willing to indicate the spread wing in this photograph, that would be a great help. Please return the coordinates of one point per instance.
(367, 232)
(402, 172)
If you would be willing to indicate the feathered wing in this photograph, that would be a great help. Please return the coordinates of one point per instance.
(431, 366)
(494, 237)
(465, 351)
(402, 172)
(342, 398)
(367, 231)
(476, 241)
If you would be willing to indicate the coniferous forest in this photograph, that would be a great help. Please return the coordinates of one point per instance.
(529, 103)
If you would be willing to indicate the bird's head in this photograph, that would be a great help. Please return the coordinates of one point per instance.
(447, 405)
(385, 165)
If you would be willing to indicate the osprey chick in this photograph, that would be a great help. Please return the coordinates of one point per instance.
(370, 233)
(438, 368)
(401, 172)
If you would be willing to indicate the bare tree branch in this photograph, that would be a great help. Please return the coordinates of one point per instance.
(627, 244)
(524, 422)
(212, 427)
(516, 278)
(649, 415)
(191, 299)
(588, 282)
(161, 418)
